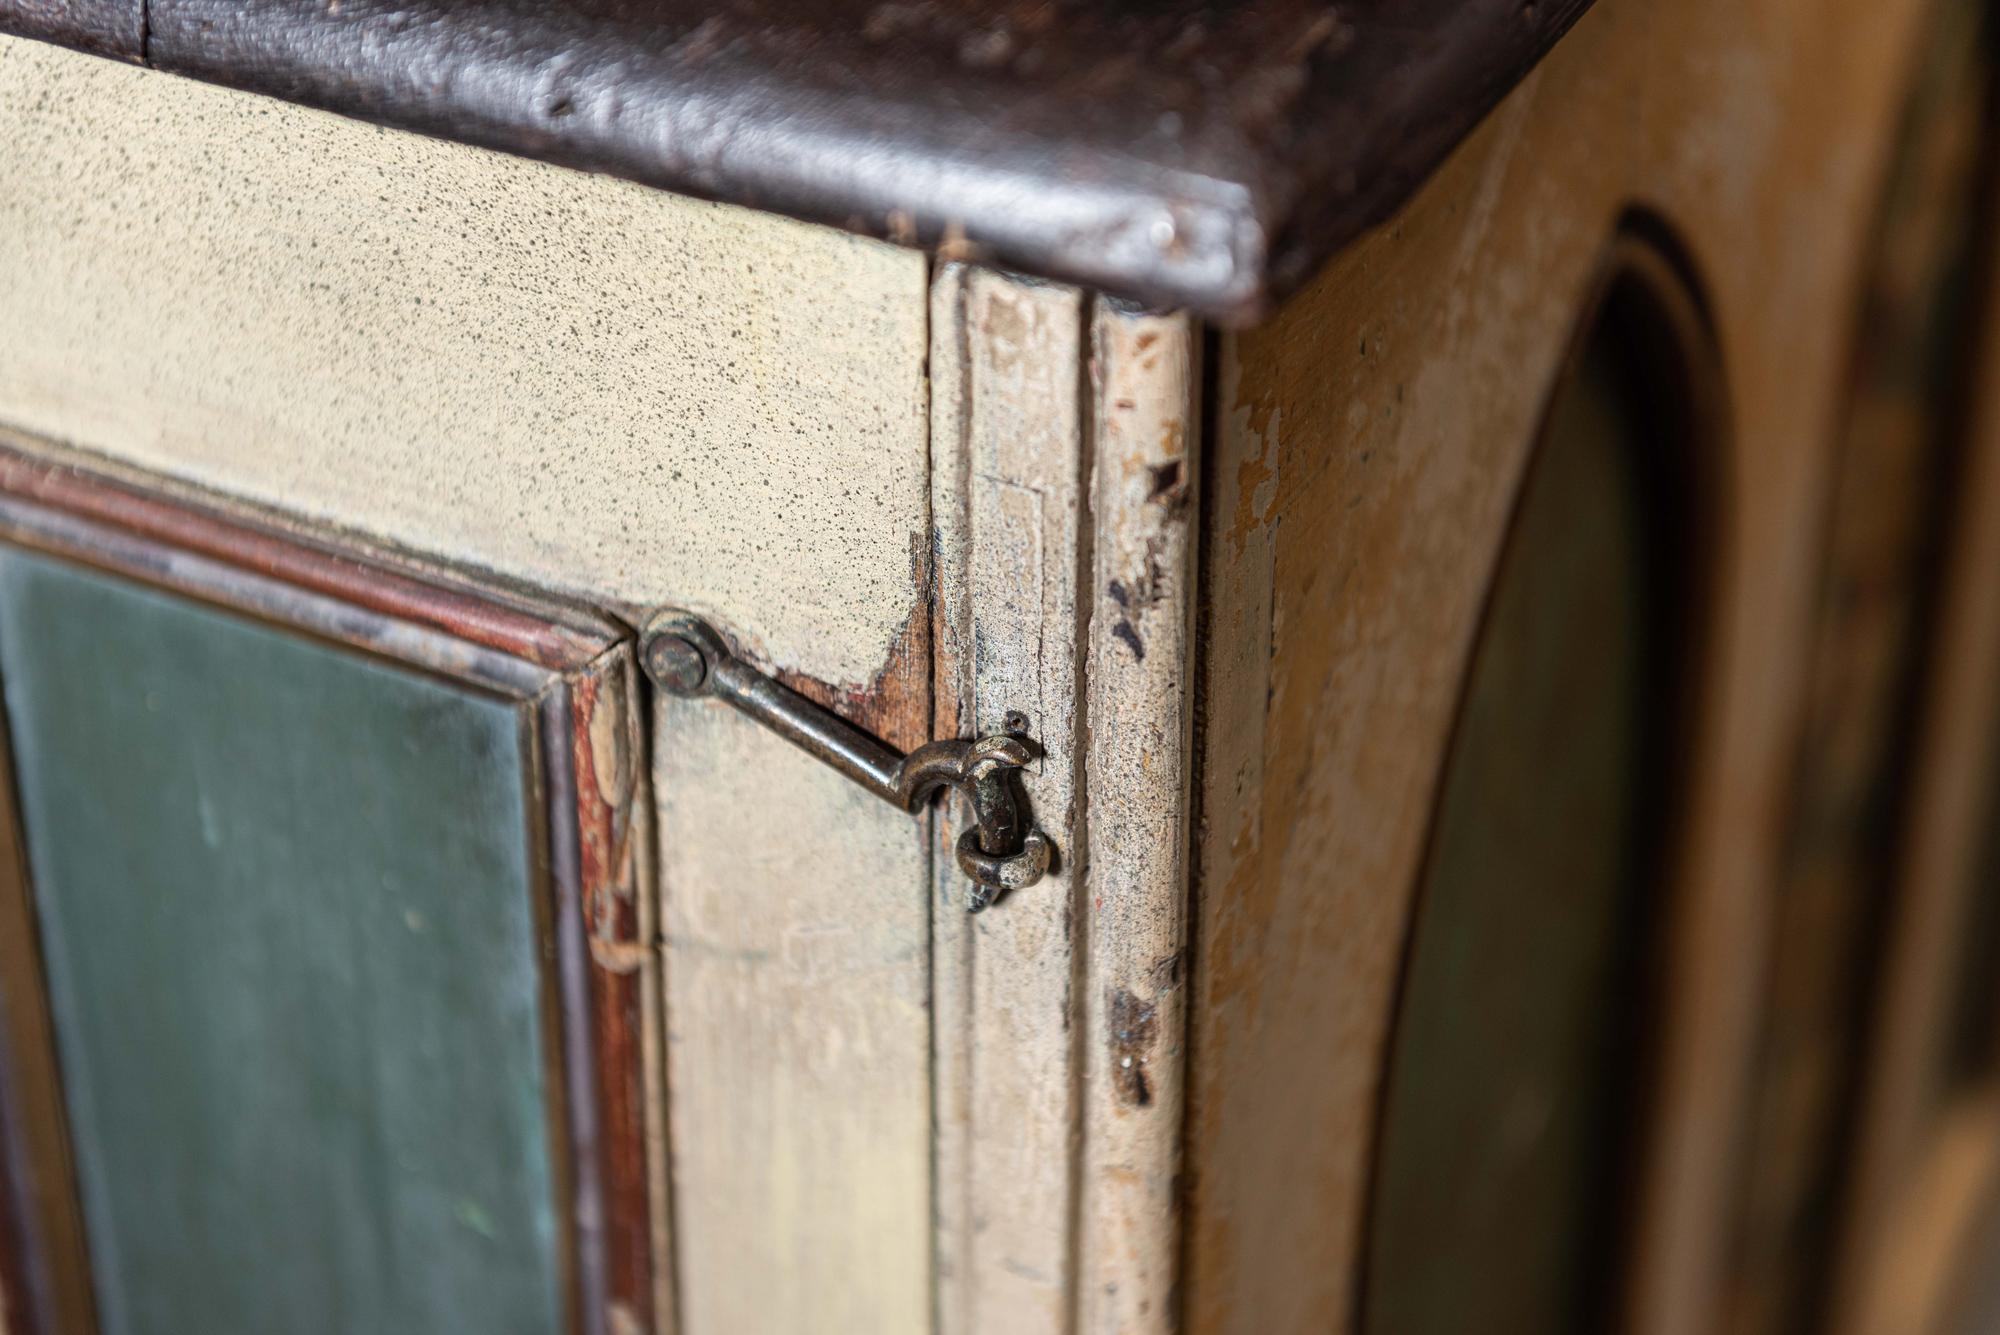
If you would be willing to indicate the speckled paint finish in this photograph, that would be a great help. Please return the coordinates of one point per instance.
(567, 379)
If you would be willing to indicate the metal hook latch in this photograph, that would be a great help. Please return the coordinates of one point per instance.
(684, 656)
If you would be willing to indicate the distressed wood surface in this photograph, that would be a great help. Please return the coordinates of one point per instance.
(1064, 498)
(80, 503)
(1145, 372)
(1011, 508)
(605, 742)
(1506, 1111)
(1370, 443)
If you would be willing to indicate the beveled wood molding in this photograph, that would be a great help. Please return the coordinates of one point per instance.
(1195, 154)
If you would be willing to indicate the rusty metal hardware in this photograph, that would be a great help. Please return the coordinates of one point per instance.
(684, 656)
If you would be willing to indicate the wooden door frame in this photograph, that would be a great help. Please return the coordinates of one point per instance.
(571, 670)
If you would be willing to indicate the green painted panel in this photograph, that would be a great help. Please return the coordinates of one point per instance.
(1505, 1111)
(287, 917)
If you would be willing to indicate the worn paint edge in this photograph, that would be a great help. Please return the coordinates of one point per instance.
(487, 612)
(615, 908)
(1146, 373)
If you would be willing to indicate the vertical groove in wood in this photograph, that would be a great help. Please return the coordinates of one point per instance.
(1080, 891)
(652, 994)
(951, 936)
(1145, 370)
(1007, 501)
(1237, 648)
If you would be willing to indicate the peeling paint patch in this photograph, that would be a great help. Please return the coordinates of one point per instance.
(1133, 1029)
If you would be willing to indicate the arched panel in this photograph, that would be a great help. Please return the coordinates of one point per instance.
(1509, 1109)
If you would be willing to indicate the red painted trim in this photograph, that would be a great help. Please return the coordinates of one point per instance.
(367, 581)
(607, 750)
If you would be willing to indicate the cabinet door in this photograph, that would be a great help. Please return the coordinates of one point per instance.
(620, 396)
(324, 870)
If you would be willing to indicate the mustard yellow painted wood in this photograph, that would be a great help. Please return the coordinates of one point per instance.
(1369, 449)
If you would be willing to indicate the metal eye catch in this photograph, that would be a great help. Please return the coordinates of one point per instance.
(995, 874)
(1002, 852)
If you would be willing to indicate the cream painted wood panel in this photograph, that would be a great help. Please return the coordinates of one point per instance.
(569, 379)
(798, 1036)
(597, 389)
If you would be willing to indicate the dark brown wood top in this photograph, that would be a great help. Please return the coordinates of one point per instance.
(1177, 152)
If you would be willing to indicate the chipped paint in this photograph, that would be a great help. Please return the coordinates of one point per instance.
(1145, 370)
(1132, 1031)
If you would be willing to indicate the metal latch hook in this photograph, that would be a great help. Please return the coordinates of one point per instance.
(684, 656)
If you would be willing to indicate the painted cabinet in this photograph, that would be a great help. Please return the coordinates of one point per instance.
(1478, 529)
